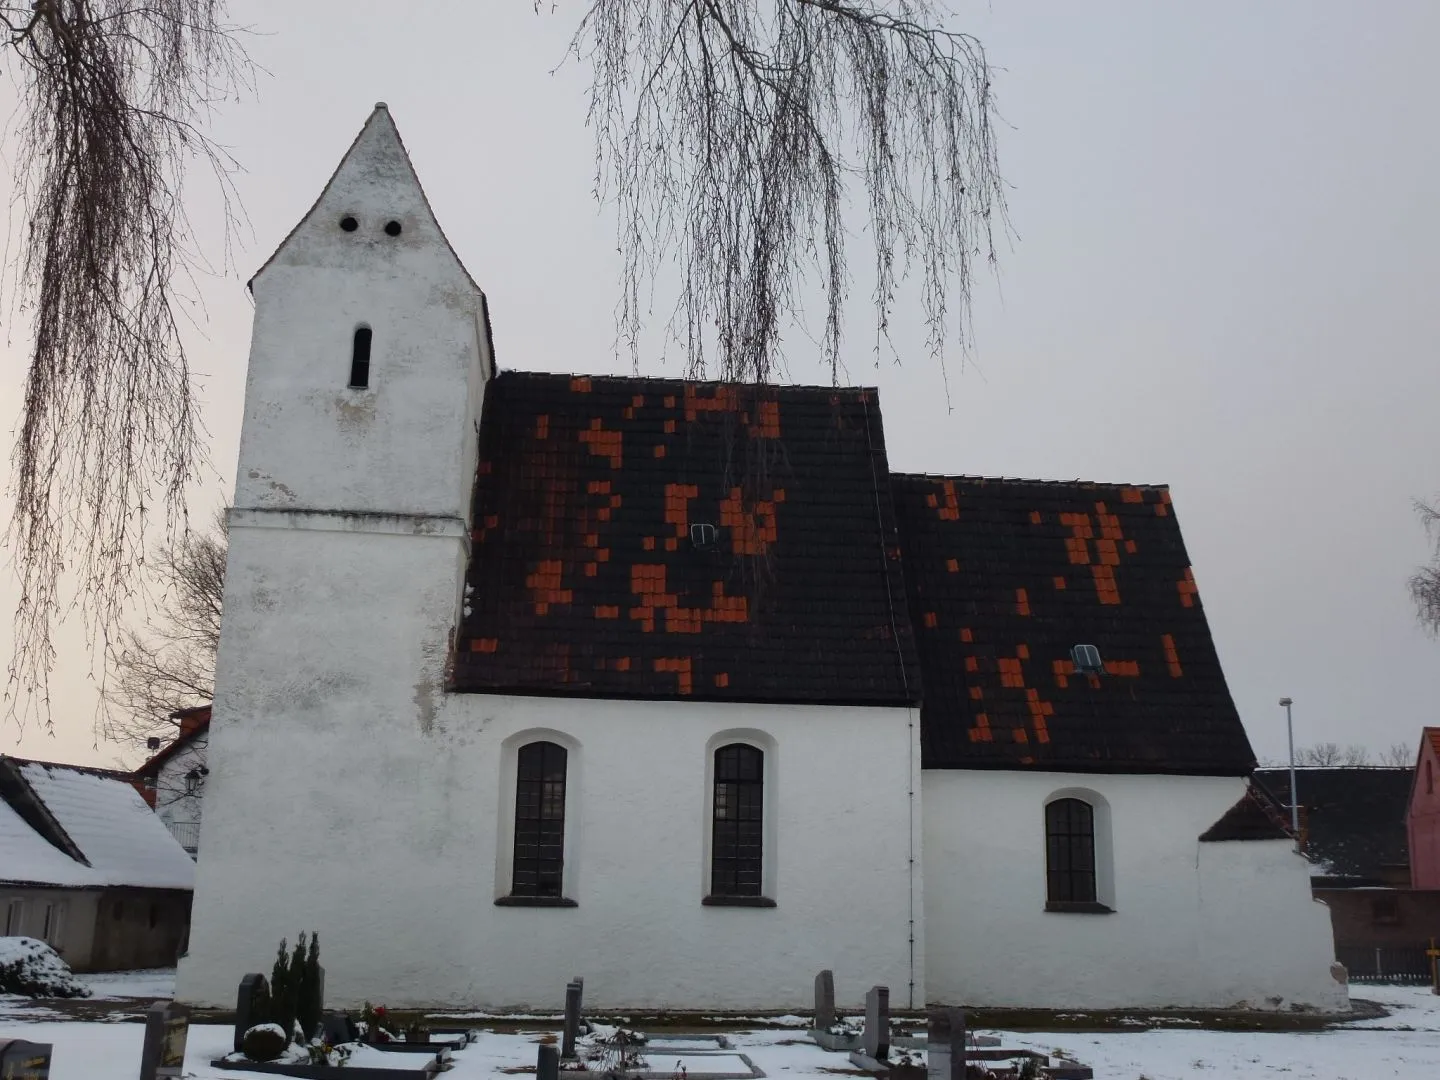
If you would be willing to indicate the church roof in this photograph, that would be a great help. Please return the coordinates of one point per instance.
(1006, 577)
(1254, 817)
(652, 538)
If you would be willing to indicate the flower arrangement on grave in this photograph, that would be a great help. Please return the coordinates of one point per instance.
(374, 1025)
(614, 1051)
(417, 1031)
(322, 1053)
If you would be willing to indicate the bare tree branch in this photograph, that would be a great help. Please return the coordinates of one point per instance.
(728, 133)
(1397, 754)
(1425, 582)
(112, 96)
(169, 664)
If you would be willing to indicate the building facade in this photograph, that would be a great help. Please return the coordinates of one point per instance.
(676, 687)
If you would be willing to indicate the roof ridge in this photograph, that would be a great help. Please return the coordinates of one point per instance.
(902, 475)
(681, 380)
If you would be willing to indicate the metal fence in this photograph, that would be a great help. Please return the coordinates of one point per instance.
(1407, 965)
(188, 833)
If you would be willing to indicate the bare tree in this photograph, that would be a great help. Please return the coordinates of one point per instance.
(1355, 755)
(1326, 754)
(728, 134)
(112, 96)
(168, 664)
(1425, 582)
(1397, 754)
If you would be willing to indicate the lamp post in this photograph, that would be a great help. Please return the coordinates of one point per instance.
(1294, 802)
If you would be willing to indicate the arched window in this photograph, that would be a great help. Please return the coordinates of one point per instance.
(739, 820)
(1070, 855)
(538, 869)
(360, 358)
(1429, 780)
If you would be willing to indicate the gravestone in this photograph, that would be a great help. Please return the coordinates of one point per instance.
(825, 1000)
(166, 1027)
(945, 1042)
(580, 1025)
(573, 993)
(547, 1065)
(21, 1060)
(877, 1023)
(337, 1028)
(252, 1006)
(313, 1007)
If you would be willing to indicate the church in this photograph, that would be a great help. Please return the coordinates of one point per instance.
(676, 686)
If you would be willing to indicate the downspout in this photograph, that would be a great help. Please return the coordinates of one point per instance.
(909, 705)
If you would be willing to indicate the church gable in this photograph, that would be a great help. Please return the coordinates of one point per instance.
(1006, 577)
(650, 538)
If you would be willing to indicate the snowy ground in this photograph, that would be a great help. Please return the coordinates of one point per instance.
(1405, 1045)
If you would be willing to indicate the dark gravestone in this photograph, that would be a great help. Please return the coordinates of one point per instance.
(166, 1027)
(580, 1026)
(312, 1008)
(337, 1028)
(877, 1023)
(945, 1042)
(825, 1000)
(21, 1060)
(573, 993)
(547, 1065)
(252, 1006)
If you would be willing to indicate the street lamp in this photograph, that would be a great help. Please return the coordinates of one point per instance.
(1294, 801)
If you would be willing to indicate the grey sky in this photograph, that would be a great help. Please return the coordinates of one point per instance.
(1228, 237)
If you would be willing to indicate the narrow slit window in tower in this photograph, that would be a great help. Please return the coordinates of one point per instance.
(360, 359)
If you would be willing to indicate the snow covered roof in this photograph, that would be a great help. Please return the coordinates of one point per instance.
(48, 811)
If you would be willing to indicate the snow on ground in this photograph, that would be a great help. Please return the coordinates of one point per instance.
(153, 984)
(1404, 1047)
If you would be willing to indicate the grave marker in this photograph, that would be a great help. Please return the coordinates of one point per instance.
(945, 1043)
(166, 1027)
(337, 1028)
(547, 1065)
(877, 1023)
(21, 1060)
(312, 1006)
(573, 994)
(825, 1000)
(252, 1006)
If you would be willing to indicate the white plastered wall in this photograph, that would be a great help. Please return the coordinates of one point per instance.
(1194, 924)
(350, 795)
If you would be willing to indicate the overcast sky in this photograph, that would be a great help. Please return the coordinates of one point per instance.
(1228, 240)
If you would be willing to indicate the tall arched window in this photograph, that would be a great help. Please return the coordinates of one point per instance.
(1069, 855)
(739, 821)
(360, 358)
(538, 869)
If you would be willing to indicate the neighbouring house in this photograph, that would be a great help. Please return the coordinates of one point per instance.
(1353, 829)
(676, 686)
(173, 780)
(86, 866)
(1423, 815)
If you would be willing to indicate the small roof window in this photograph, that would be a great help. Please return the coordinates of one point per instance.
(1087, 660)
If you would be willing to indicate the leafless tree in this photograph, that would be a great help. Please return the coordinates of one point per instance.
(1355, 755)
(729, 134)
(113, 96)
(168, 664)
(1398, 754)
(1425, 582)
(1326, 754)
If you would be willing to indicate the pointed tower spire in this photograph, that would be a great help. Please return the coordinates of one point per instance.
(371, 201)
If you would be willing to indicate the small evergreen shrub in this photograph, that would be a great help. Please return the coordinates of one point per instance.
(264, 1042)
(33, 969)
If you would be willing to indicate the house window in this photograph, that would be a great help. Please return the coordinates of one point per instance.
(538, 869)
(54, 924)
(1070, 856)
(1385, 910)
(738, 826)
(360, 359)
(1429, 780)
(14, 915)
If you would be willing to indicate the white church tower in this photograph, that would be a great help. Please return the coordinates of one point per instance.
(348, 543)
